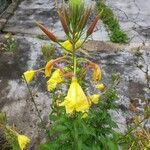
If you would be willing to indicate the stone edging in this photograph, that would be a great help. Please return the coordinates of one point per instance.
(7, 13)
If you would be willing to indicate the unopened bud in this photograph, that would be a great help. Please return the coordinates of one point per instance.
(100, 87)
(84, 19)
(63, 21)
(92, 26)
(50, 35)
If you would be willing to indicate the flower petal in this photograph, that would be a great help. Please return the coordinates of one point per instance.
(29, 75)
(85, 115)
(68, 46)
(55, 79)
(76, 99)
(97, 74)
(95, 98)
(23, 141)
(48, 68)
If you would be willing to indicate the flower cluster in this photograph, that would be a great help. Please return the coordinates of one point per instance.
(76, 99)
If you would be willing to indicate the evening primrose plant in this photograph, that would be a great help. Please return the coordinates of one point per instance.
(79, 118)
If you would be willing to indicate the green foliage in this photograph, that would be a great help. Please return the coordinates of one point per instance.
(118, 36)
(111, 22)
(3, 118)
(10, 43)
(8, 140)
(12, 139)
(48, 51)
(76, 10)
(95, 132)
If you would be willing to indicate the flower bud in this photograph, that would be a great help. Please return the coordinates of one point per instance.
(100, 86)
(48, 68)
(92, 26)
(84, 19)
(63, 21)
(50, 35)
(95, 98)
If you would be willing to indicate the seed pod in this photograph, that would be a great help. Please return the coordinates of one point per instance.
(63, 21)
(66, 15)
(50, 35)
(92, 26)
(84, 19)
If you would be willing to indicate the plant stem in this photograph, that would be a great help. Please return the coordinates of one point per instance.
(74, 58)
(35, 105)
(74, 63)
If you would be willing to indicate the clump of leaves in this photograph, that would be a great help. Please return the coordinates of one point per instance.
(48, 51)
(4, 144)
(109, 19)
(10, 44)
(137, 136)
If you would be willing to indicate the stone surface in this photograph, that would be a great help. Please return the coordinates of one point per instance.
(134, 18)
(31, 11)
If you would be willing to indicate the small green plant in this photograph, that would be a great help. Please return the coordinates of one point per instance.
(10, 139)
(10, 44)
(109, 19)
(48, 51)
(118, 36)
(137, 137)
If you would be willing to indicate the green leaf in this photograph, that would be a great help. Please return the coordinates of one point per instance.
(3, 119)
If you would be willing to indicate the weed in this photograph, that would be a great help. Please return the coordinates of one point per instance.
(48, 51)
(111, 22)
(10, 44)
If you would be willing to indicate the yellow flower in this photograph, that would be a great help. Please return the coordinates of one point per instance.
(55, 79)
(29, 75)
(76, 99)
(85, 115)
(95, 98)
(48, 68)
(97, 74)
(100, 87)
(23, 141)
(68, 46)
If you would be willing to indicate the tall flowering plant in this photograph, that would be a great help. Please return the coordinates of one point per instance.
(76, 115)
(73, 20)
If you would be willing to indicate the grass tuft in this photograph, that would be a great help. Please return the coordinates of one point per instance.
(117, 35)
